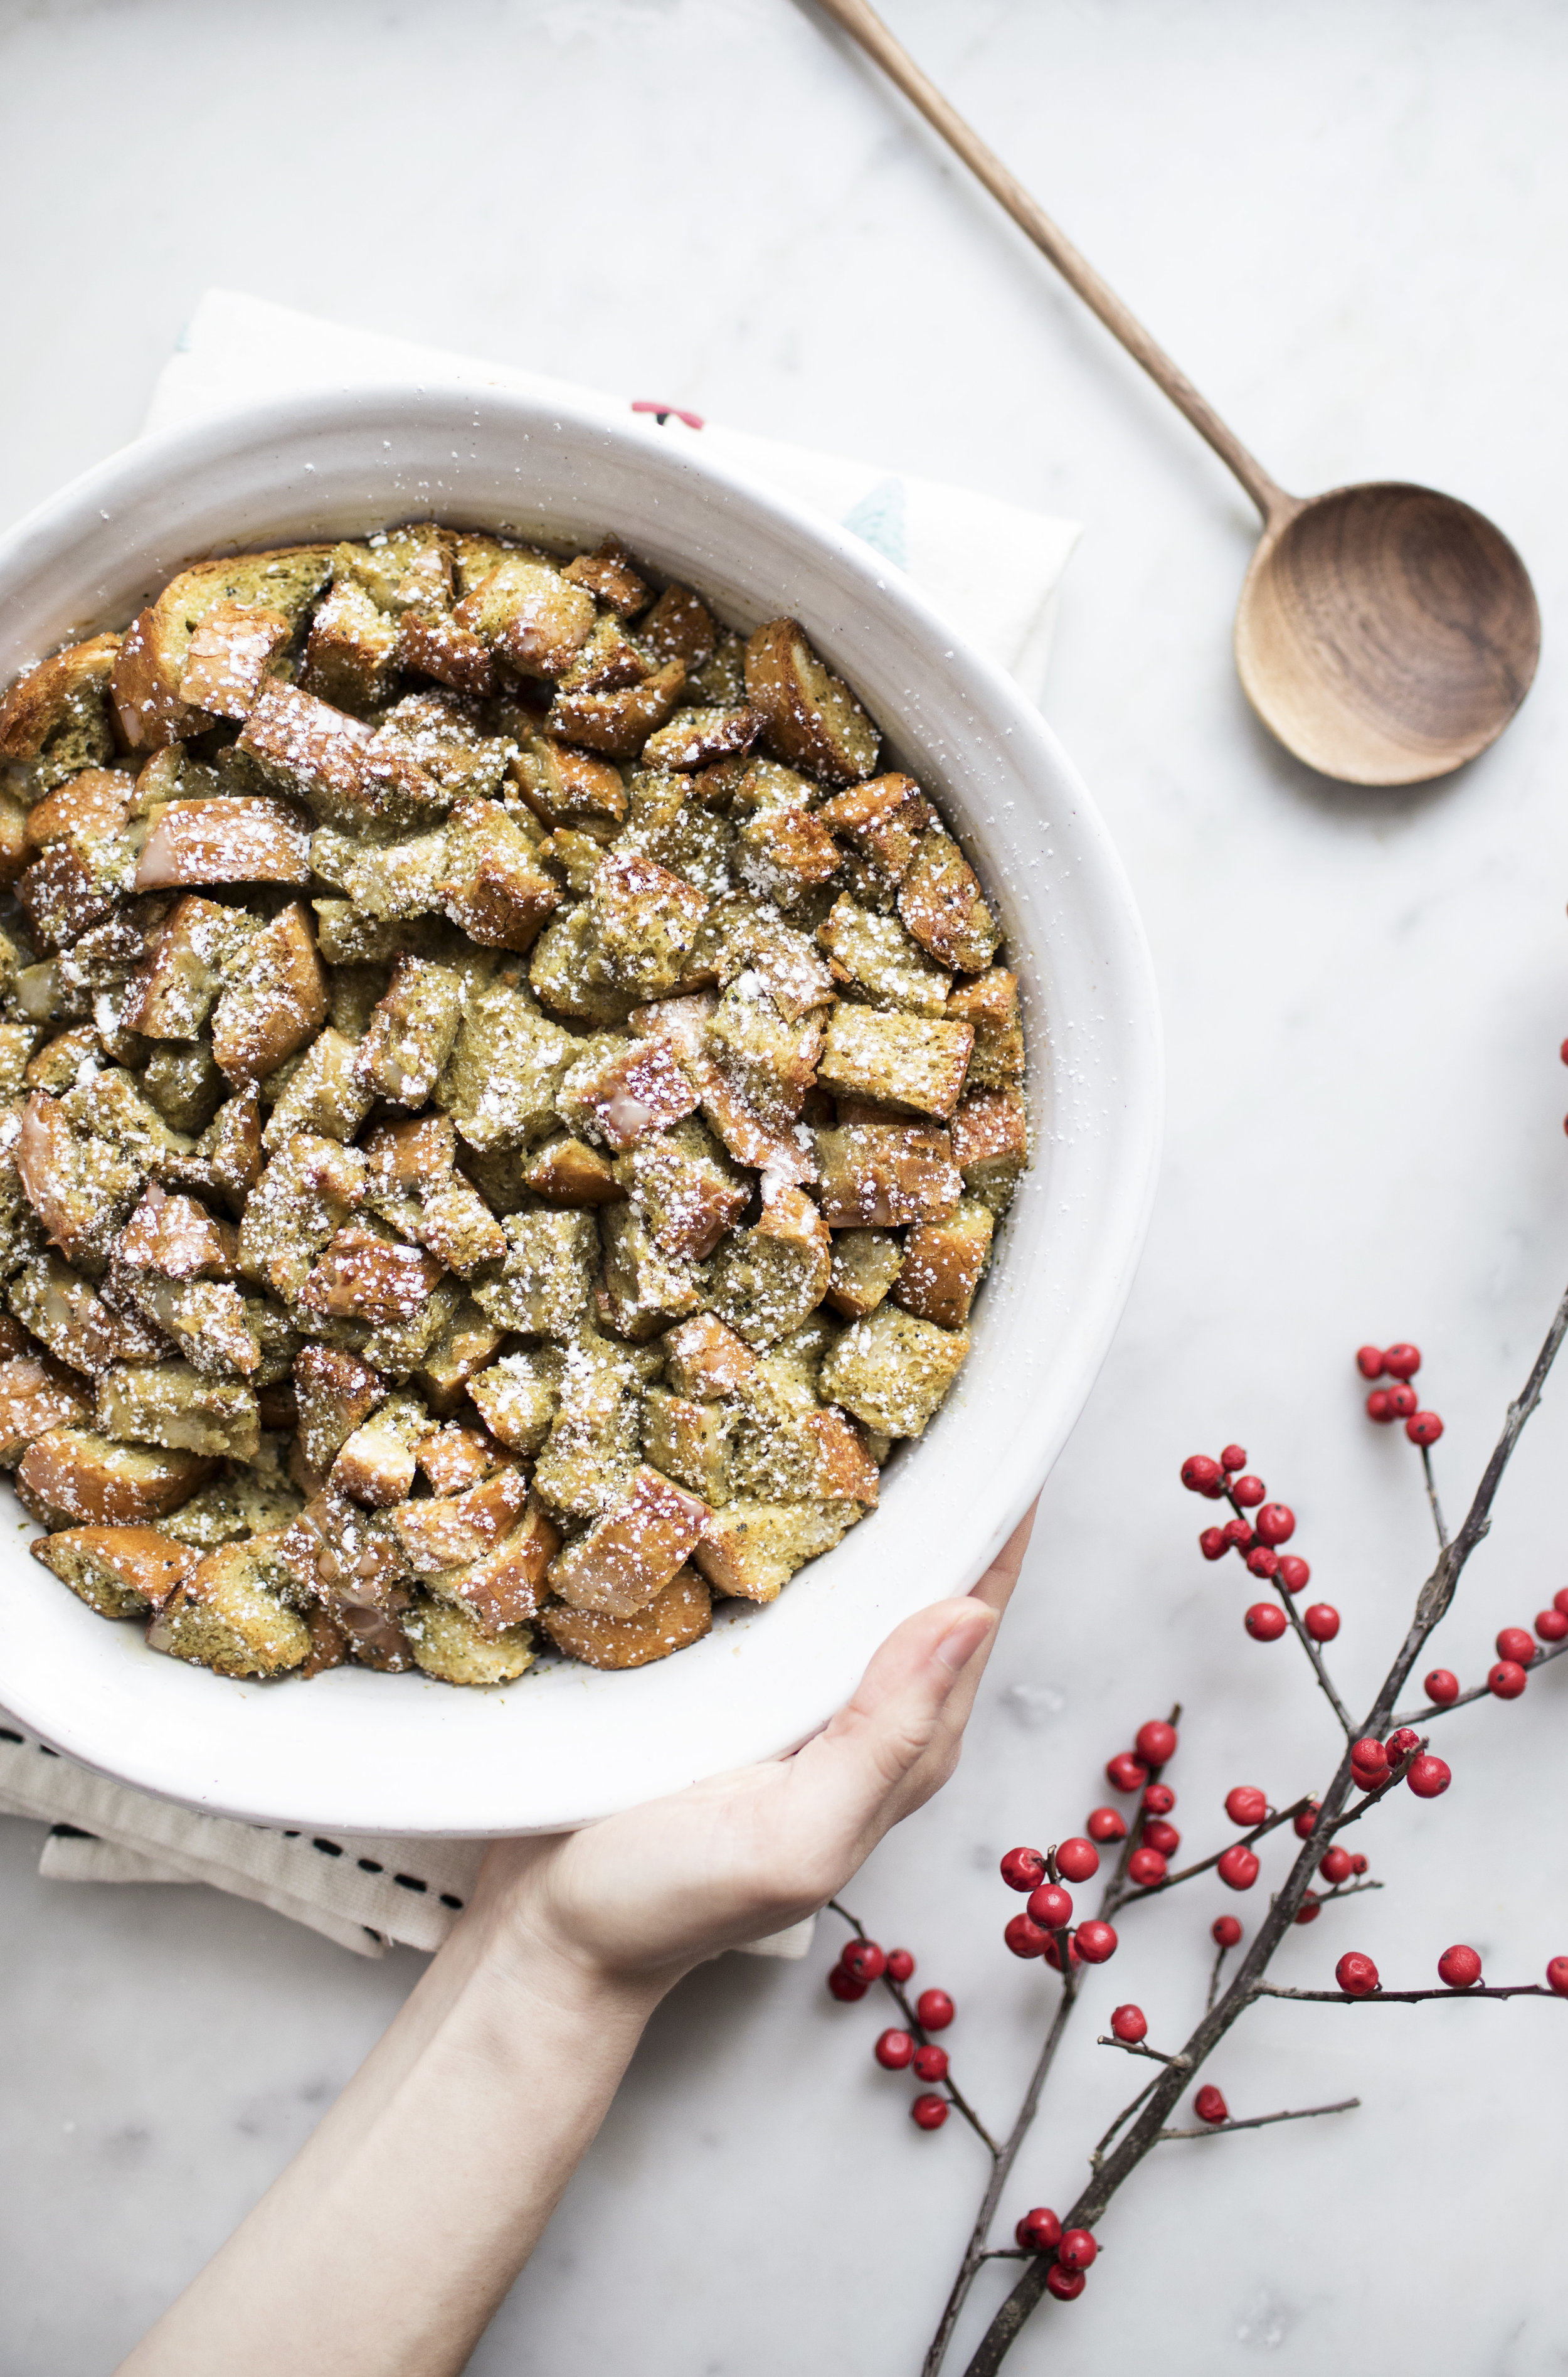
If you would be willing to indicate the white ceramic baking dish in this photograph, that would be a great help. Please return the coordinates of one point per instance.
(357, 1751)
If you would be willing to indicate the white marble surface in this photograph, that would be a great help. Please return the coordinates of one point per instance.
(1348, 220)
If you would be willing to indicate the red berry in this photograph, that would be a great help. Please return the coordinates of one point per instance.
(1506, 1680)
(1336, 1866)
(1146, 1867)
(1368, 1361)
(1237, 1533)
(1249, 1491)
(900, 1965)
(1225, 1931)
(1096, 1943)
(1368, 1761)
(1077, 1861)
(1200, 1473)
(1125, 1773)
(1402, 1361)
(1423, 1427)
(1377, 1407)
(1560, 1599)
(1321, 1621)
(1234, 1457)
(1265, 1621)
(845, 1986)
(1428, 1777)
(1023, 1869)
(1514, 1644)
(1129, 2023)
(1156, 1742)
(1158, 1835)
(1038, 2230)
(1356, 1974)
(1209, 2105)
(1401, 1401)
(1563, 1052)
(1557, 1977)
(934, 2009)
(931, 2063)
(1440, 1687)
(1262, 1562)
(1050, 1906)
(1459, 1968)
(1053, 1950)
(1402, 1739)
(1105, 1824)
(864, 1960)
(1246, 1804)
(1551, 1624)
(1024, 1938)
(1159, 1800)
(1275, 1523)
(1237, 1868)
(1077, 2250)
(928, 2112)
(1305, 1825)
(1309, 1909)
(1358, 1863)
(1212, 1543)
(1065, 2285)
(895, 2050)
(1294, 1572)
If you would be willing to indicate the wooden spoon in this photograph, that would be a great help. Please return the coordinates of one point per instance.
(1385, 633)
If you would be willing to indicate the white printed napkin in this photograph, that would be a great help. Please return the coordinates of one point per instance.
(993, 569)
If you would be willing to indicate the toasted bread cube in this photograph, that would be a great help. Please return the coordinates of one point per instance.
(722, 677)
(944, 1263)
(227, 1160)
(865, 1265)
(455, 1457)
(228, 657)
(915, 1063)
(526, 610)
(375, 1465)
(224, 842)
(811, 717)
(208, 1323)
(79, 1188)
(627, 1093)
(89, 807)
(449, 1531)
(245, 1500)
(449, 1644)
(32, 1402)
(566, 1171)
(430, 643)
(645, 921)
(679, 628)
(893, 1370)
(361, 1276)
(696, 738)
(674, 1620)
(943, 907)
(346, 938)
(644, 1288)
(224, 1618)
(313, 750)
(172, 1404)
(198, 949)
(517, 1397)
(686, 1189)
(608, 660)
(500, 1082)
(767, 1279)
(337, 1393)
(990, 1145)
(884, 1174)
(460, 1347)
(68, 1316)
(74, 1474)
(306, 1194)
(494, 886)
(884, 961)
(570, 974)
(64, 894)
(457, 1226)
(119, 1571)
(177, 1239)
(608, 573)
(750, 1549)
(593, 1445)
(739, 936)
(57, 715)
(566, 787)
(399, 568)
(778, 1454)
(153, 660)
(350, 1560)
(353, 649)
(689, 1441)
(411, 1033)
(326, 1095)
(785, 1155)
(786, 855)
(703, 1359)
(545, 1286)
(768, 1061)
(990, 1002)
(618, 723)
(279, 1003)
(506, 1586)
(632, 1552)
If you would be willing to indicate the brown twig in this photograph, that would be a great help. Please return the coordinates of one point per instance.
(1319, 1670)
(1207, 1865)
(1137, 2046)
(1260, 2121)
(1431, 1498)
(912, 2022)
(1408, 1997)
(1477, 1691)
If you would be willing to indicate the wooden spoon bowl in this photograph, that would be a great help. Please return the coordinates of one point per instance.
(1385, 633)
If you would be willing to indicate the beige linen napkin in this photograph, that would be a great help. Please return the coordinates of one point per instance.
(993, 569)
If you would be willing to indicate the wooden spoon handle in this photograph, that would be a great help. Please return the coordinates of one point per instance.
(865, 27)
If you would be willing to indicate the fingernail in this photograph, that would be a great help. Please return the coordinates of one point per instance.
(958, 1647)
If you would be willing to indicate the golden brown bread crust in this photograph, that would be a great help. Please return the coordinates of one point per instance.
(674, 1620)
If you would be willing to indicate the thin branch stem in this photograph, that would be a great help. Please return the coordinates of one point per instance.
(1136, 2047)
(1431, 1498)
(1479, 1691)
(1123, 2118)
(1261, 2121)
(912, 2022)
(1213, 1979)
(1206, 1865)
(1315, 1656)
(1408, 1997)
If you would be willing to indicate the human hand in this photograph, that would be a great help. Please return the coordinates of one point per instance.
(642, 1897)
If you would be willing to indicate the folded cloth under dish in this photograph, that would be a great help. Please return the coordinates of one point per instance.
(992, 567)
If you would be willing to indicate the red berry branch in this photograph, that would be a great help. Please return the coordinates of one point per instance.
(1386, 1751)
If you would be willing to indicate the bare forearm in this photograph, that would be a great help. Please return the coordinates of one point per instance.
(385, 2248)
